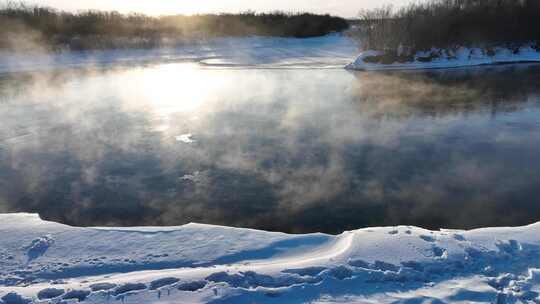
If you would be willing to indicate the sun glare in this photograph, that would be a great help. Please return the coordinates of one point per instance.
(170, 89)
(177, 87)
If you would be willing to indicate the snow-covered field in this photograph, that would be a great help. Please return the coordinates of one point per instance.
(463, 57)
(46, 262)
(332, 51)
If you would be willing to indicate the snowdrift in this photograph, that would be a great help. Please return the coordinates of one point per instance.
(46, 262)
(439, 58)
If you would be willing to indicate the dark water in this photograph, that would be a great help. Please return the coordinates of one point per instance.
(290, 150)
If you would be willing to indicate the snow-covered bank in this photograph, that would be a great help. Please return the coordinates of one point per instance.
(334, 50)
(44, 262)
(439, 59)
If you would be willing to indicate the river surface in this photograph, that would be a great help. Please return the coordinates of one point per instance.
(288, 149)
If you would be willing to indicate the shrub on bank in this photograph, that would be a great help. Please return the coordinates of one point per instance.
(449, 25)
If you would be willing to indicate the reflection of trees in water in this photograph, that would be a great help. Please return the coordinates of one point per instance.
(440, 92)
(284, 164)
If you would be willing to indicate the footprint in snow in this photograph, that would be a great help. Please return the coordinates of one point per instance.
(102, 286)
(509, 246)
(308, 271)
(438, 251)
(340, 272)
(156, 284)
(14, 298)
(359, 264)
(384, 266)
(192, 286)
(128, 287)
(427, 238)
(79, 295)
(459, 237)
(38, 247)
(50, 293)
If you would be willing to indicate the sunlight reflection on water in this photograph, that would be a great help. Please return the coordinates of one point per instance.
(290, 150)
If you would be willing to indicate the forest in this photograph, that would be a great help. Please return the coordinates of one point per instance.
(25, 26)
(450, 24)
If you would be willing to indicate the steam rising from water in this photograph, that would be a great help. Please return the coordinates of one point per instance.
(290, 150)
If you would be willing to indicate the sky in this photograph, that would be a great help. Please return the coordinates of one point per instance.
(345, 8)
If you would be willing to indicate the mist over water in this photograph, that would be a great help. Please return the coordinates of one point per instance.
(294, 150)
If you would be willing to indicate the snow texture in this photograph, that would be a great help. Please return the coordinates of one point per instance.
(331, 51)
(210, 264)
(442, 59)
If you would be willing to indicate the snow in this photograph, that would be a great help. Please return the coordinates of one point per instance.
(331, 51)
(198, 263)
(462, 57)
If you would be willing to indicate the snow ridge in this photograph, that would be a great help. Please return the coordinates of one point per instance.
(210, 264)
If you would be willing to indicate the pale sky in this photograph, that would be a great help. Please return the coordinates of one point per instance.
(345, 8)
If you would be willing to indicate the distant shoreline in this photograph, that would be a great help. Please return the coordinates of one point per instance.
(29, 28)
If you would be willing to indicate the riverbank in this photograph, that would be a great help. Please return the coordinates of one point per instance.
(444, 58)
(46, 262)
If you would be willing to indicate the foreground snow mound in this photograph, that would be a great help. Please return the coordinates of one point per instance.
(45, 262)
(439, 58)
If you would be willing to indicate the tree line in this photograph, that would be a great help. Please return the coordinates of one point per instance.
(108, 29)
(450, 24)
